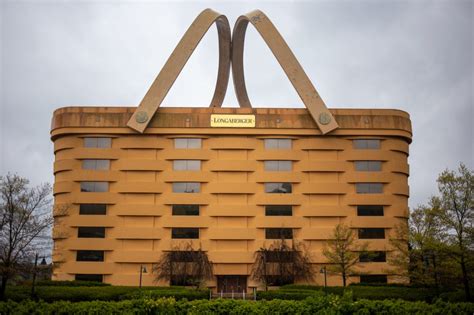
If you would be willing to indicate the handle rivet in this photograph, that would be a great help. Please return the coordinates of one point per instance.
(324, 118)
(141, 117)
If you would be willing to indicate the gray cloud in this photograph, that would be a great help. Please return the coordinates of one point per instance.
(415, 56)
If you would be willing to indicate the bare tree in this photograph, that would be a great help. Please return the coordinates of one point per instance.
(184, 265)
(342, 251)
(456, 214)
(25, 217)
(282, 264)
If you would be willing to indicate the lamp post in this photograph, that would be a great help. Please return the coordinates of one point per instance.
(142, 271)
(323, 270)
(35, 271)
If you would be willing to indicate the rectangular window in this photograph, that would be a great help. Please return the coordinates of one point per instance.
(186, 165)
(369, 188)
(98, 142)
(366, 144)
(92, 209)
(371, 233)
(278, 233)
(275, 210)
(368, 166)
(186, 187)
(185, 209)
(278, 166)
(187, 143)
(94, 186)
(84, 277)
(102, 165)
(278, 188)
(377, 256)
(277, 143)
(366, 211)
(373, 279)
(91, 232)
(179, 233)
(90, 255)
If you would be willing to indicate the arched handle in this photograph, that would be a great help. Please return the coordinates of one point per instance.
(175, 63)
(295, 73)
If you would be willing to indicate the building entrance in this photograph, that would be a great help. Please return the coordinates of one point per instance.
(229, 284)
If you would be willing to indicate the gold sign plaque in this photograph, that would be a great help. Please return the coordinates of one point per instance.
(233, 121)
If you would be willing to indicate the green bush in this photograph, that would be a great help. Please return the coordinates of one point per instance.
(106, 293)
(299, 292)
(330, 304)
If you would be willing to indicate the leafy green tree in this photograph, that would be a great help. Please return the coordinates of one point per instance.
(342, 251)
(456, 217)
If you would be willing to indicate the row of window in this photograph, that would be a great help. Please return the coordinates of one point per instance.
(271, 188)
(98, 255)
(193, 233)
(174, 281)
(270, 210)
(196, 143)
(195, 165)
(100, 278)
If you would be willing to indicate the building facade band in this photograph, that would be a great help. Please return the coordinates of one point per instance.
(122, 199)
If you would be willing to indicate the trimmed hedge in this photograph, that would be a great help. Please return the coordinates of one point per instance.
(106, 293)
(330, 304)
(300, 292)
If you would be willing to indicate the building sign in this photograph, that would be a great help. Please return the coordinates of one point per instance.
(233, 121)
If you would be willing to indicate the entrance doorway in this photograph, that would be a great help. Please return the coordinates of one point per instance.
(229, 284)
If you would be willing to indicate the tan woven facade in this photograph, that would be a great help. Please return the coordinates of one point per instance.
(232, 221)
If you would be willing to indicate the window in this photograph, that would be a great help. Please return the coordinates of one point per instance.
(92, 209)
(278, 188)
(377, 256)
(98, 142)
(279, 166)
(185, 233)
(274, 210)
(278, 233)
(94, 186)
(95, 164)
(363, 211)
(278, 280)
(279, 256)
(186, 187)
(277, 143)
(90, 255)
(185, 209)
(187, 143)
(369, 188)
(373, 279)
(84, 277)
(366, 144)
(186, 165)
(372, 233)
(368, 166)
(91, 232)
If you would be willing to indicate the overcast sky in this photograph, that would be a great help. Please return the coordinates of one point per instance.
(416, 56)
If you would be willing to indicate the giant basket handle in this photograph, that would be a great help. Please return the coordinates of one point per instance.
(175, 63)
(295, 73)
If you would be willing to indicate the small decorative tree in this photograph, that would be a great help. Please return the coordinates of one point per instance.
(184, 265)
(342, 251)
(282, 264)
(25, 219)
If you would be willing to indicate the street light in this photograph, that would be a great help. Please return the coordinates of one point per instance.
(142, 271)
(323, 270)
